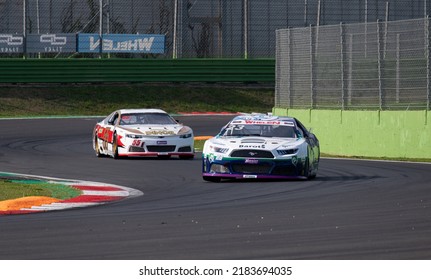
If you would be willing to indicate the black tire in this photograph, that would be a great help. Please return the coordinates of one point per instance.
(211, 179)
(311, 177)
(115, 147)
(307, 168)
(96, 147)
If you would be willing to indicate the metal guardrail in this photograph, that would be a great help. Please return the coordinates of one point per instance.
(136, 70)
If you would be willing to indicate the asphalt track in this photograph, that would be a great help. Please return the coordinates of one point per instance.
(352, 210)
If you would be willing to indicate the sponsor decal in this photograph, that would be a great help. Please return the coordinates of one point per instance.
(286, 123)
(87, 43)
(11, 43)
(263, 122)
(51, 43)
(53, 39)
(121, 43)
(252, 146)
(159, 132)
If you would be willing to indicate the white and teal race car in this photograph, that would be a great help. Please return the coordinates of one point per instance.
(260, 146)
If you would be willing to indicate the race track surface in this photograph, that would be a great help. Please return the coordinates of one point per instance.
(352, 210)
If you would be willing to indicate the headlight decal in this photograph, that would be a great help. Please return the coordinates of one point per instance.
(287, 151)
(219, 150)
(185, 132)
(188, 135)
(134, 136)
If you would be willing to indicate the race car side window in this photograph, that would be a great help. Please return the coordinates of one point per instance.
(301, 129)
(113, 119)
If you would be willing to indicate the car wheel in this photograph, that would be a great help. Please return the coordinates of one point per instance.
(307, 169)
(211, 179)
(115, 147)
(96, 147)
(312, 176)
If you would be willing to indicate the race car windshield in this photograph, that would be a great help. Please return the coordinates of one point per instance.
(259, 130)
(146, 118)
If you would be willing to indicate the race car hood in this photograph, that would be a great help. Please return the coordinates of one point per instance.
(156, 130)
(264, 143)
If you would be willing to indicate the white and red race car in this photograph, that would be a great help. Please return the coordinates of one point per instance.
(142, 132)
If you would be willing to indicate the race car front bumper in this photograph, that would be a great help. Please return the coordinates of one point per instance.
(234, 168)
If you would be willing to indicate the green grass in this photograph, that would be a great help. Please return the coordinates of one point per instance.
(199, 145)
(11, 189)
(100, 100)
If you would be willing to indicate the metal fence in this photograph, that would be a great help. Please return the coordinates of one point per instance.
(196, 28)
(381, 65)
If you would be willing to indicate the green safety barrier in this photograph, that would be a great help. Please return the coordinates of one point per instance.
(136, 70)
(389, 134)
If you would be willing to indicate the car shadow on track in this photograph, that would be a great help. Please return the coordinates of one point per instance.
(346, 178)
(317, 179)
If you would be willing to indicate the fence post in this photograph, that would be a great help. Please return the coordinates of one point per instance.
(365, 27)
(427, 55)
(379, 65)
(317, 24)
(278, 67)
(427, 52)
(24, 27)
(245, 29)
(350, 74)
(174, 39)
(312, 53)
(397, 71)
(342, 65)
(305, 12)
(289, 69)
(385, 38)
(100, 28)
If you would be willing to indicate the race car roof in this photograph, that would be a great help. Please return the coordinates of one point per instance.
(134, 111)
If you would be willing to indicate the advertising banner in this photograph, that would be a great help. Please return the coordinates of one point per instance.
(121, 43)
(51, 43)
(11, 43)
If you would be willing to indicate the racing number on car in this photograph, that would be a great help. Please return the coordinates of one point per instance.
(105, 138)
(136, 143)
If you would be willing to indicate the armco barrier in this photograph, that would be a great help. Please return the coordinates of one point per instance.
(136, 70)
(391, 134)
